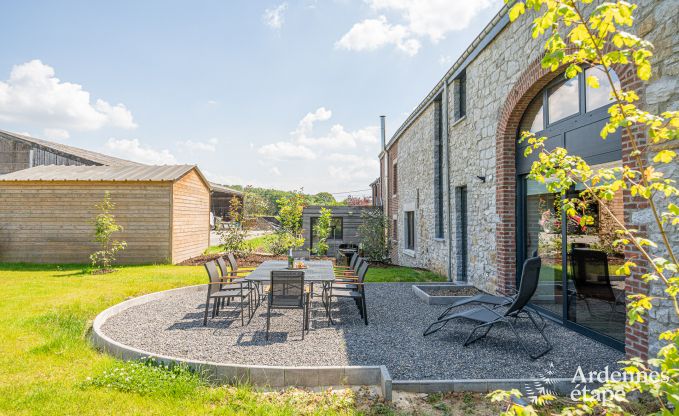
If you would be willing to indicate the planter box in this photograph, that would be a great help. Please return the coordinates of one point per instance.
(440, 294)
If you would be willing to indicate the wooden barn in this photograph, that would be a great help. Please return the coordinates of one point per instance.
(19, 151)
(47, 212)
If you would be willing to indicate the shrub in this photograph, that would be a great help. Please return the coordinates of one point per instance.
(233, 234)
(373, 233)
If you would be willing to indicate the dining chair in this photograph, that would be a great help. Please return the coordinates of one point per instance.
(218, 290)
(288, 291)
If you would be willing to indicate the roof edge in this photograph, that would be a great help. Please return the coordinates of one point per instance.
(477, 44)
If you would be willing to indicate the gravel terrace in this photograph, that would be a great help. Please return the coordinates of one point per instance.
(174, 326)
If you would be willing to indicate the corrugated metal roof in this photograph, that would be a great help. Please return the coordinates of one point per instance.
(225, 189)
(88, 155)
(163, 173)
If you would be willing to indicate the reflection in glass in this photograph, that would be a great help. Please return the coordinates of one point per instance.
(563, 100)
(596, 295)
(599, 97)
(532, 119)
(543, 237)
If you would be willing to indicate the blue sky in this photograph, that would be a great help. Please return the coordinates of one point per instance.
(268, 93)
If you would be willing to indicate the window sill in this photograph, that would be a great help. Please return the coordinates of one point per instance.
(440, 239)
(459, 120)
(408, 252)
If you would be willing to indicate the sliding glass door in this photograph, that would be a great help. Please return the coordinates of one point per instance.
(578, 282)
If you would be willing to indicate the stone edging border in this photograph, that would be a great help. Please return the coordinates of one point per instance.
(437, 300)
(281, 376)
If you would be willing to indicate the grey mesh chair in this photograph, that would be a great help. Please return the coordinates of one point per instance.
(288, 291)
(589, 270)
(237, 271)
(486, 317)
(354, 289)
(228, 276)
(218, 290)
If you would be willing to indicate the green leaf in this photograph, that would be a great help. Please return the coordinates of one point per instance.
(664, 156)
(593, 81)
(517, 10)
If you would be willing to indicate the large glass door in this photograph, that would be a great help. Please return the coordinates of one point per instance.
(543, 237)
(578, 284)
(596, 294)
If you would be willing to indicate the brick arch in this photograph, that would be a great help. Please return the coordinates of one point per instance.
(531, 82)
(533, 79)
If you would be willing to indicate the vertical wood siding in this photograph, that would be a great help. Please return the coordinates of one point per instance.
(52, 222)
(190, 217)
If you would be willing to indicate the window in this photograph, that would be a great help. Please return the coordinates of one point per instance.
(336, 230)
(460, 96)
(599, 97)
(438, 172)
(410, 230)
(563, 100)
(533, 118)
(566, 98)
(394, 184)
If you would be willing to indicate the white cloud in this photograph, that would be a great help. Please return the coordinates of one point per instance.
(33, 94)
(207, 146)
(223, 179)
(273, 17)
(339, 138)
(349, 167)
(134, 150)
(212, 102)
(432, 19)
(275, 171)
(56, 134)
(303, 140)
(286, 150)
(371, 34)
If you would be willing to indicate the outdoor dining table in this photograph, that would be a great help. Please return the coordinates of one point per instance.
(316, 271)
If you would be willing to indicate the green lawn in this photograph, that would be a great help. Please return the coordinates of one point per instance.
(45, 358)
(257, 244)
(401, 274)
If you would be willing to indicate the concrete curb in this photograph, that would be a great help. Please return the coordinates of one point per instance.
(280, 376)
(562, 386)
(438, 300)
(258, 375)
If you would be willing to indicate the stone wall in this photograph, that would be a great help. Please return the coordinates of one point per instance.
(416, 193)
(500, 83)
(657, 22)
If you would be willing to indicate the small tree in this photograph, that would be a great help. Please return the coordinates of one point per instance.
(233, 234)
(290, 218)
(322, 230)
(374, 234)
(104, 227)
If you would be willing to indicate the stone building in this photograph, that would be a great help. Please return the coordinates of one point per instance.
(453, 177)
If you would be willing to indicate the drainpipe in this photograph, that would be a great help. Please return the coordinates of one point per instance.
(384, 164)
(446, 152)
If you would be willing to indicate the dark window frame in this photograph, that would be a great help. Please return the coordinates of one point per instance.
(409, 230)
(438, 172)
(460, 96)
(312, 221)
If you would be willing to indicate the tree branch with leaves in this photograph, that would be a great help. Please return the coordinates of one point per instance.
(576, 41)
